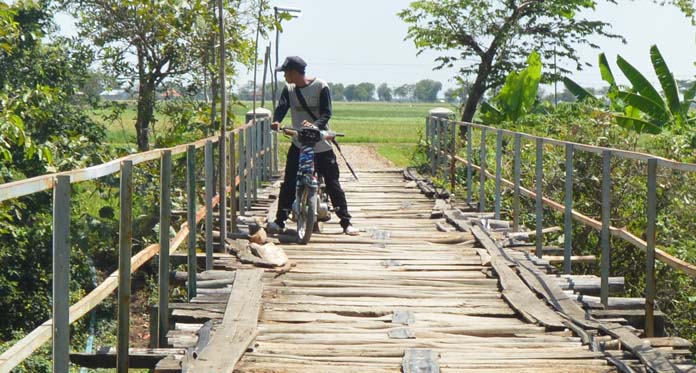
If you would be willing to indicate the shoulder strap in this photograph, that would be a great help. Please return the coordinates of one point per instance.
(300, 98)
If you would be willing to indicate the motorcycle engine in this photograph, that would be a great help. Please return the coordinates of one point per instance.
(323, 213)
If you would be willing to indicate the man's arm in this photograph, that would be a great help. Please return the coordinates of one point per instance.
(324, 109)
(283, 106)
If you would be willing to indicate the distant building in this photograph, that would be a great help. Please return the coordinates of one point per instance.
(115, 94)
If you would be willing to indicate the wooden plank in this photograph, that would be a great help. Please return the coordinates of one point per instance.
(515, 291)
(420, 361)
(238, 328)
(642, 349)
(139, 358)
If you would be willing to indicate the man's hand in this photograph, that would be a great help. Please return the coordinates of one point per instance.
(307, 123)
(275, 126)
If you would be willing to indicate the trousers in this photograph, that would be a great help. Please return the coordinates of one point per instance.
(326, 165)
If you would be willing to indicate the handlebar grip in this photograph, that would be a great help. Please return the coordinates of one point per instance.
(340, 134)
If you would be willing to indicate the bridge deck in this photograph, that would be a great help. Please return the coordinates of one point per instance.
(362, 304)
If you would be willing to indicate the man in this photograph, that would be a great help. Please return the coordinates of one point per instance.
(318, 100)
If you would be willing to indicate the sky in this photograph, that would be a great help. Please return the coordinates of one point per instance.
(363, 41)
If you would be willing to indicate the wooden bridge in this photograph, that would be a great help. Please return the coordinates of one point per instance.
(432, 283)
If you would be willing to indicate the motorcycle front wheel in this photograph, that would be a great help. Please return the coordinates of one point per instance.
(306, 216)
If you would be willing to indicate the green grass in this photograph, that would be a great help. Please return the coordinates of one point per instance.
(394, 128)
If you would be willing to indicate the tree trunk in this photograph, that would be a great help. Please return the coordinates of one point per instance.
(476, 91)
(146, 109)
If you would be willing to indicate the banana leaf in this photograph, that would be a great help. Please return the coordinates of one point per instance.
(605, 71)
(638, 125)
(518, 95)
(578, 91)
(655, 110)
(640, 83)
(666, 78)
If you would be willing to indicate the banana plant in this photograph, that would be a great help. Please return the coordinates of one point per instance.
(517, 97)
(642, 108)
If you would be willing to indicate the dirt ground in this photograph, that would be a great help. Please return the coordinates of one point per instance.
(362, 157)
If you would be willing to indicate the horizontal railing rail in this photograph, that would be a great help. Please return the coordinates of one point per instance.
(252, 159)
(441, 139)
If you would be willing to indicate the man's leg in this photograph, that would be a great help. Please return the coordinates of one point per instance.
(327, 166)
(287, 189)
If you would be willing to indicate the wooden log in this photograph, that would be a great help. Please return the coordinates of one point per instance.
(652, 358)
(514, 291)
(238, 327)
(139, 358)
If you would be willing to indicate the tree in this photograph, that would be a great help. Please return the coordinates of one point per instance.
(488, 39)
(384, 93)
(405, 92)
(426, 90)
(337, 90)
(349, 92)
(165, 39)
(365, 92)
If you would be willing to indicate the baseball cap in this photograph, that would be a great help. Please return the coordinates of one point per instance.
(292, 63)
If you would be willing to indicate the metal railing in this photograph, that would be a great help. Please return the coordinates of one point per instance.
(441, 138)
(252, 160)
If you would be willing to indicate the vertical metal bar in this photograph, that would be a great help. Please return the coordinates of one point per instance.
(498, 171)
(61, 274)
(208, 205)
(650, 281)
(233, 193)
(124, 265)
(433, 147)
(165, 222)
(606, 221)
(539, 197)
(453, 154)
(254, 158)
(242, 177)
(444, 138)
(516, 189)
(249, 167)
(482, 183)
(469, 168)
(275, 152)
(223, 191)
(223, 127)
(568, 231)
(191, 207)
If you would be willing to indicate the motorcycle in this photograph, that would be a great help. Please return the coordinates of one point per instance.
(311, 206)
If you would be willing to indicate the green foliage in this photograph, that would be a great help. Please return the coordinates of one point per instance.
(491, 38)
(645, 109)
(517, 97)
(426, 90)
(578, 91)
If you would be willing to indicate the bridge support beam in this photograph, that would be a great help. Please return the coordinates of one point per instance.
(61, 273)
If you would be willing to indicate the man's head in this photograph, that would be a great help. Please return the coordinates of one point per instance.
(294, 69)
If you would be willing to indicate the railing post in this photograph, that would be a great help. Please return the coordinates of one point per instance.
(124, 265)
(606, 222)
(568, 231)
(428, 143)
(482, 184)
(444, 145)
(165, 223)
(249, 166)
(516, 189)
(255, 158)
(61, 274)
(191, 207)
(275, 152)
(498, 172)
(650, 281)
(233, 193)
(469, 168)
(242, 176)
(433, 146)
(223, 192)
(539, 197)
(453, 154)
(209, 205)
